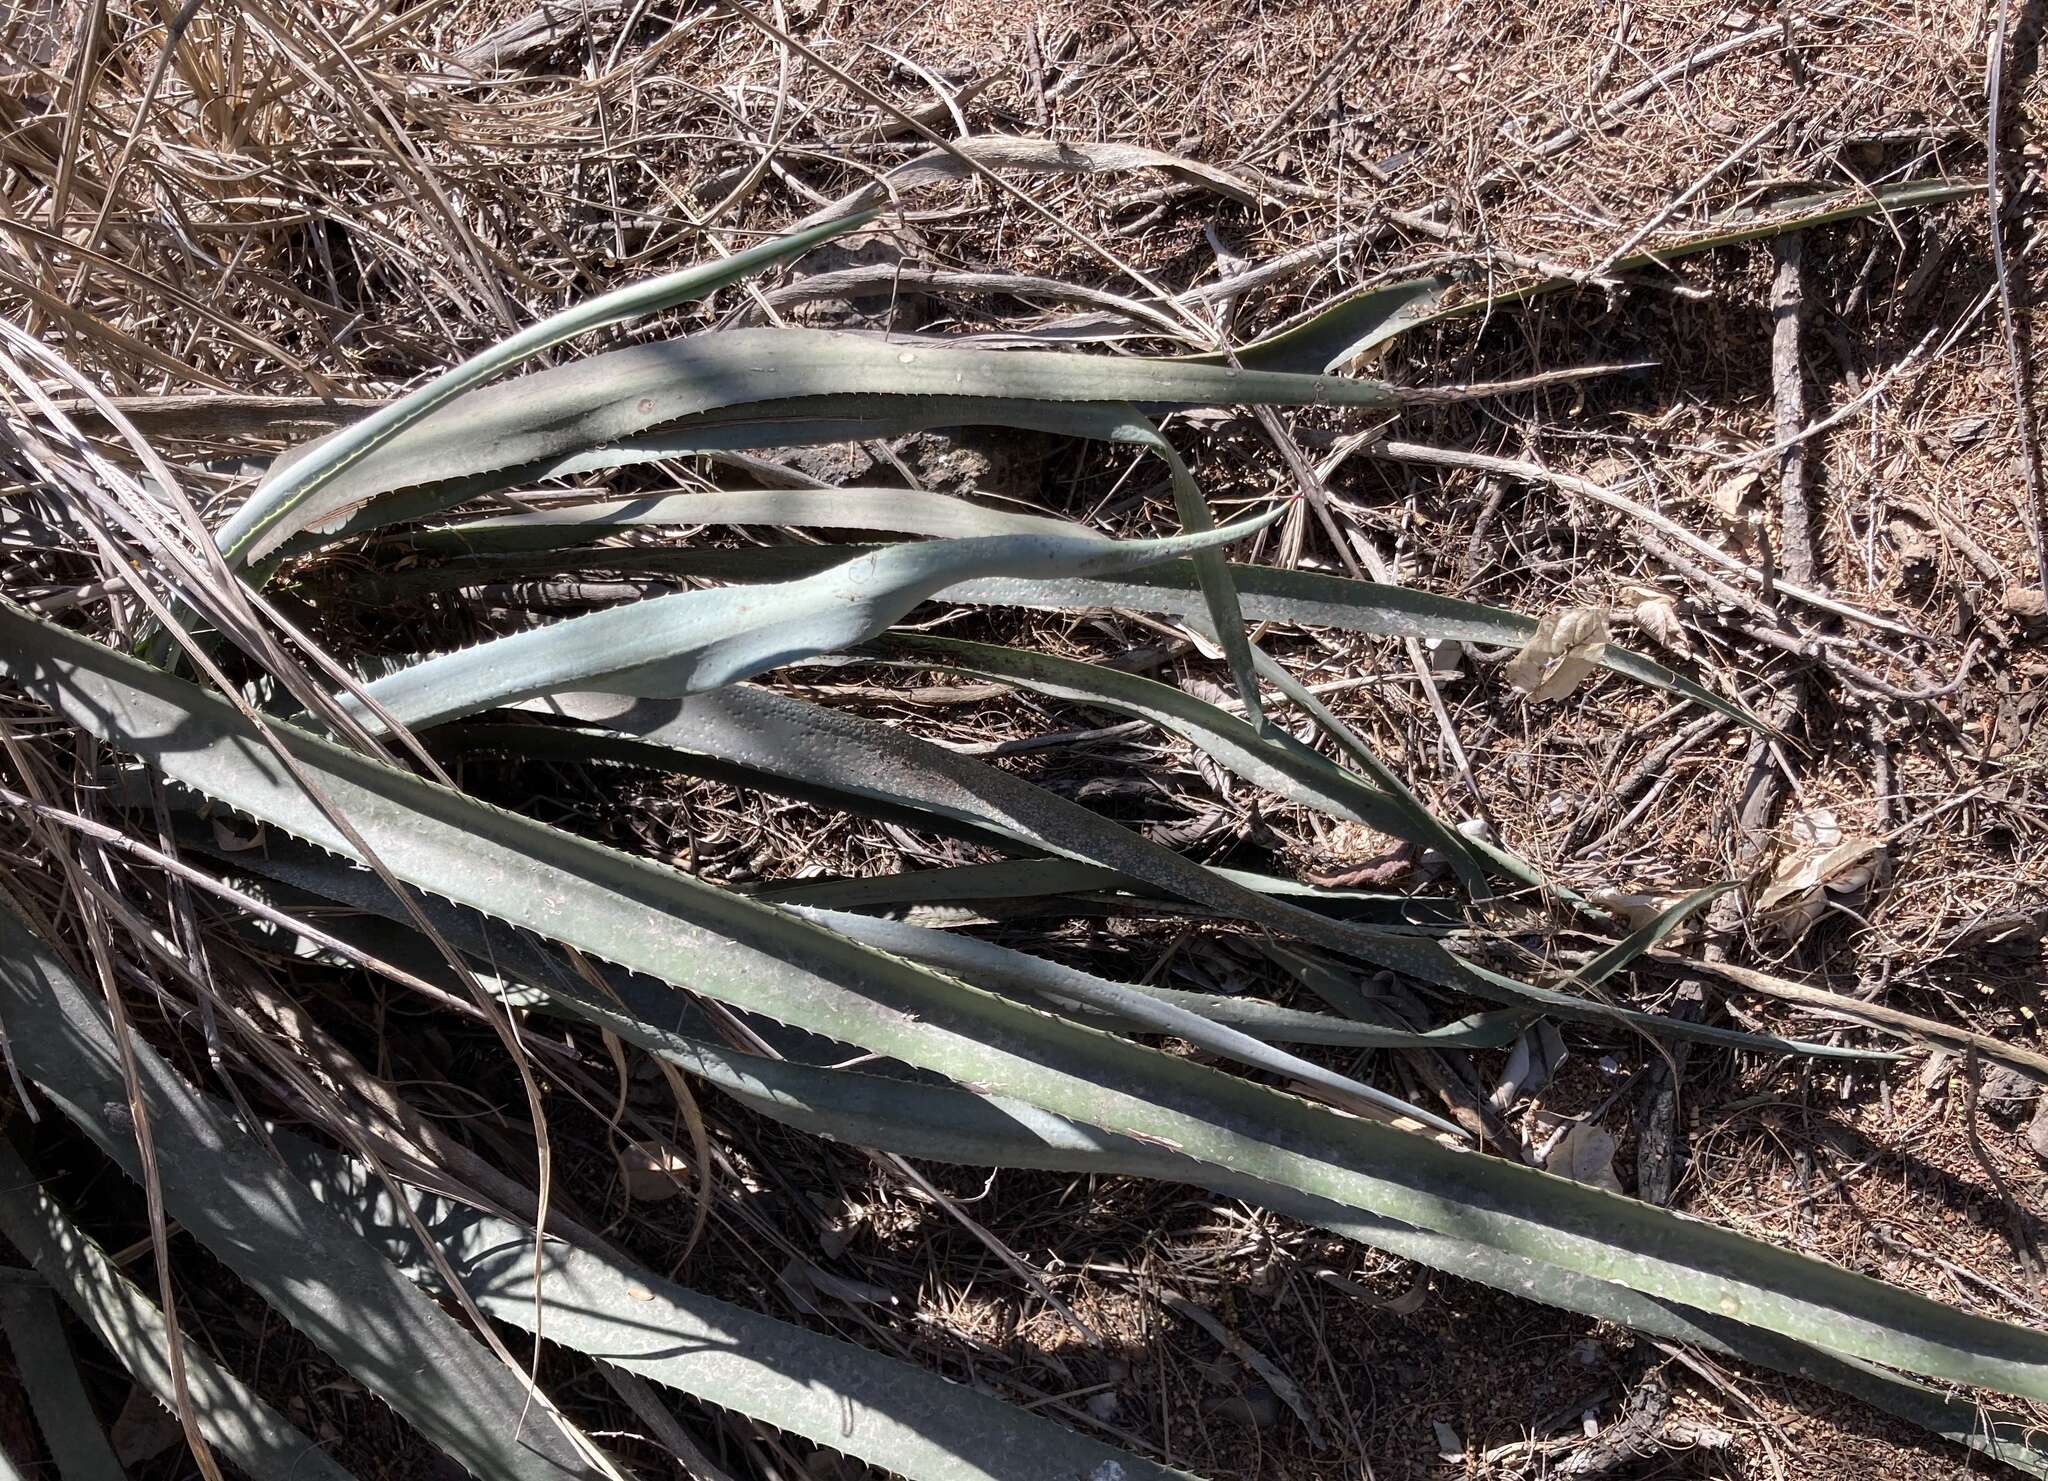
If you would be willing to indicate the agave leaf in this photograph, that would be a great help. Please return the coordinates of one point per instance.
(1328, 336)
(1457, 850)
(926, 515)
(294, 496)
(237, 1424)
(1038, 156)
(873, 767)
(643, 917)
(682, 751)
(1026, 879)
(756, 379)
(800, 423)
(1337, 331)
(777, 735)
(1320, 339)
(999, 968)
(56, 1396)
(1212, 572)
(1312, 599)
(1266, 593)
(804, 422)
(946, 1124)
(864, 1404)
(700, 640)
(1618, 956)
(1235, 744)
(901, 511)
(1397, 811)
(1274, 761)
(220, 1184)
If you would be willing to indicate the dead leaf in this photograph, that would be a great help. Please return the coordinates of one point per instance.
(1203, 645)
(652, 1172)
(1912, 543)
(2006, 1091)
(1731, 503)
(1821, 861)
(1657, 619)
(1586, 1155)
(1635, 908)
(2028, 603)
(1731, 499)
(1531, 1064)
(2037, 1130)
(1968, 431)
(1566, 647)
(1816, 827)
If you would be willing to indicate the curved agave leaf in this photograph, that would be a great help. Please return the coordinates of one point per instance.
(901, 511)
(221, 1185)
(641, 916)
(774, 735)
(1329, 335)
(1274, 761)
(1332, 333)
(1262, 755)
(864, 1404)
(699, 640)
(49, 1374)
(260, 1441)
(795, 423)
(872, 766)
(751, 376)
(1467, 856)
(293, 497)
(1270, 594)
(1000, 969)
(1267, 594)
(1016, 880)
(987, 965)
(1212, 572)
(946, 1124)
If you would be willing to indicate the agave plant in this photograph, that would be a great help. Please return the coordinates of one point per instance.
(969, 1052)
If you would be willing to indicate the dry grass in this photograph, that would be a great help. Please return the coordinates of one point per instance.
(324, 202)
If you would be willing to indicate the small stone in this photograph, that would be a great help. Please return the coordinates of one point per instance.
(2028, 603)
(1968, 431)
(2005, 1089)
(1914, 547)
